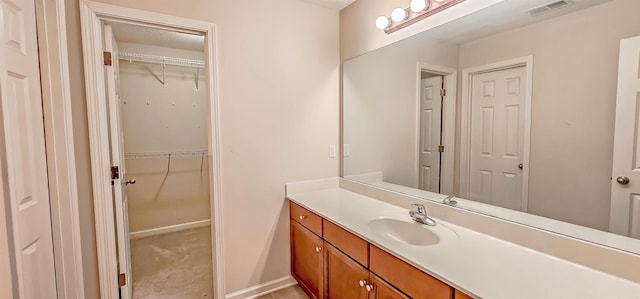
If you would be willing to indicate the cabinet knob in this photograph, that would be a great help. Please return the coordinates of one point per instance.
(318, 249)
(369, 288)
(362, 283)
(302, 217)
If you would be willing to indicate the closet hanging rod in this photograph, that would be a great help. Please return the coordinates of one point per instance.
(156, 155)
(161, 59)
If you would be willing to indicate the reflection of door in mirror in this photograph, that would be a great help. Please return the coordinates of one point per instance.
(625, 191)
(430, 131)
(497, 139)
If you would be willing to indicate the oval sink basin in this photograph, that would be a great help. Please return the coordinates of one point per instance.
(407, 232)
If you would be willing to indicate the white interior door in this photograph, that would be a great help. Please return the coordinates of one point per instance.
(430, 131)
(497, 137)
(625, 187)
(118, 160)
(24, 151)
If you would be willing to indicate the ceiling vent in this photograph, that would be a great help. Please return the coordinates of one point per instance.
(549, 7)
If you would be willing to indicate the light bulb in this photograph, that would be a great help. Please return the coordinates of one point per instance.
(418, 5)
(382, 22)
(398, 14)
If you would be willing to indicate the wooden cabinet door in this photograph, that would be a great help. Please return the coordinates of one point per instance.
(383, 290)
(307, 260)
(344, 276)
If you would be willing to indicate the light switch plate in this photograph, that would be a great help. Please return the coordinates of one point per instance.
(332, 151)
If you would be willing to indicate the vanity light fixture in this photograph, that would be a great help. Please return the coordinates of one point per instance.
(417, 11)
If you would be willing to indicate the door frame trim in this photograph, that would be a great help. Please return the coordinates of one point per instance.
(450, 79)
(465, 134)
(92, 14)
(61, 155)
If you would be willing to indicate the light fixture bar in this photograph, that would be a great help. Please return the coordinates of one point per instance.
(434, 8)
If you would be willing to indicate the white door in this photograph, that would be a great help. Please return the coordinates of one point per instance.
(497, 137)
(430, 124)
(625, 187)
(23, 151)
(117, 159)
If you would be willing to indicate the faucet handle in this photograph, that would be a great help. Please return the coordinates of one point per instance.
(421, 208)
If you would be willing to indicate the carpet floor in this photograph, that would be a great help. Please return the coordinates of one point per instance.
(173, 266)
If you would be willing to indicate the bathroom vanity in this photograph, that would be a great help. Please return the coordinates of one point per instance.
(347, 245)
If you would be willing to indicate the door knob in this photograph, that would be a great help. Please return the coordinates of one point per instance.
(302, 217)
(129, 181)
(622, 180)
(362, 283)
(318, 249)
(520, 166)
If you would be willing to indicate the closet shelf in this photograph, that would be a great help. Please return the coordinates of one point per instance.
(157, 155)
(161, 60)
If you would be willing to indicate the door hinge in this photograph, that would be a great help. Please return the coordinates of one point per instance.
(441, 148)
(115, 172)
(107, 58)
(122, 279)
(443, 92)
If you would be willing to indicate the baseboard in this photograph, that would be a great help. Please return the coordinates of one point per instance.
(168, 229)
(264, 288)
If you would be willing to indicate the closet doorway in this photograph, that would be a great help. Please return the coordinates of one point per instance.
(163, 127)
(152, 105)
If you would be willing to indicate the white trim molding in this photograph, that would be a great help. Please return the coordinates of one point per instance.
(450, 79)
(465, 140)
(168, 229)
(263, 288)
(61, 159)
(93, 14)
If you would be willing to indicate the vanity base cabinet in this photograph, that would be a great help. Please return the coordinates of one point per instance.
(330, 262)
(345, 278)
(307, 263)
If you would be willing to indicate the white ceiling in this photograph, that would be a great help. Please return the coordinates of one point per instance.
(500, 17)
(157, 37)
(333, 4)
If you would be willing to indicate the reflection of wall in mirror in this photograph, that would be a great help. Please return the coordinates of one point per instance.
(380, 119)
(573, 105)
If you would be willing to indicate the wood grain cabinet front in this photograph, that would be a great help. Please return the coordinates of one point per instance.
(307, 262)
(405, 277)
(345, 277)
(461, 295)
(305, 217)
(383, 290)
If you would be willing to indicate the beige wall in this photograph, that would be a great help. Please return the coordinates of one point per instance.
(279, 79)
(379, 107)
(575, 72)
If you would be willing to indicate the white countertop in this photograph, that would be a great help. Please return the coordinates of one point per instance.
(475, 263)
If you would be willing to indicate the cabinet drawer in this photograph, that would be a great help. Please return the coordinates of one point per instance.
(461, 295)
(405, 277)
(352, 245)
(305, 217)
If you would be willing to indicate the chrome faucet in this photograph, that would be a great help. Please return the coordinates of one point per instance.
(421, 215)
(450, 201)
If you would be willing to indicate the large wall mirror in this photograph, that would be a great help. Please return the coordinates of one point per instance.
(511, 109)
